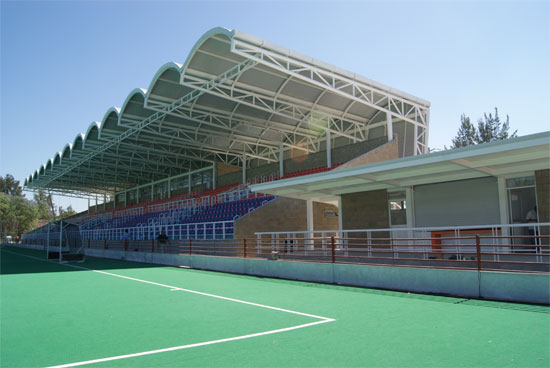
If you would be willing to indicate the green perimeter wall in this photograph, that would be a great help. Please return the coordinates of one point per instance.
(506, 286)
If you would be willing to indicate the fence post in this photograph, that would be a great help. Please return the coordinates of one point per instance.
(190, 246)
(152, 245)
(244, 247)
(478, 250)
(333, 249)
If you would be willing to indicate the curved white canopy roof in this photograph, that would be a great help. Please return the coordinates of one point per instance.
(235, 95)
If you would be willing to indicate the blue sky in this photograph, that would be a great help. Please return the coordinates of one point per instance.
(63, 64)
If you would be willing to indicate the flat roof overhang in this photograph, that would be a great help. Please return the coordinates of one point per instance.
(504, 158)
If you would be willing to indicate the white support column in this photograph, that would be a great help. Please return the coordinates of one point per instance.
(169, 188)
(309, 216)
(104, 201)
(88, 204)
(244, 168)
(137, 195)
(503, 204)
(389, 126)
(189, 183)
(96, 202)
(329, 149)
(281, 161)
(152, 192)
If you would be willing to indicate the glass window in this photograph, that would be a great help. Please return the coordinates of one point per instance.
(525, 181)
(397, 207)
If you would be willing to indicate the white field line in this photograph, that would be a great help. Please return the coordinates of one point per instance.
(174, 288)
(192, 345)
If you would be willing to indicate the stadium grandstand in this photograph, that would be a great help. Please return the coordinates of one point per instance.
(251, 149)
(239, 110)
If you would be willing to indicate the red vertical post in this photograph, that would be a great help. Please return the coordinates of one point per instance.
(333, 249)
(478, 250)
(190, 246)
(244, 247)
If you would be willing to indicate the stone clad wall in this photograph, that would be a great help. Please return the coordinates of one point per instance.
(284, 214)
(365, 210)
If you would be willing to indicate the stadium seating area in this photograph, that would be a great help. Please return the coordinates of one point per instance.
(206, 213)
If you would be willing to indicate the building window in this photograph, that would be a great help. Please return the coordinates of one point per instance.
(397, 208)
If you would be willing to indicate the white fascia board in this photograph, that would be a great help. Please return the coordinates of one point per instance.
(503, 146)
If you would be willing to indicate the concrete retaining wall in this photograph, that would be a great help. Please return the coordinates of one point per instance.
(507, 286)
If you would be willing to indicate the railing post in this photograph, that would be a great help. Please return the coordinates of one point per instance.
(478, 250)
(333, 249)
(190, 247)
(244, 247)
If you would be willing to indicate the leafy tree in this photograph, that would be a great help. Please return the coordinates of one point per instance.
(467, 134)
(489, 129)
(45, 206)
(64, 213)
(17, 214)
(10, 186)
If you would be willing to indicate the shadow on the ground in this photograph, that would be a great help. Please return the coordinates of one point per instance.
(16, 260)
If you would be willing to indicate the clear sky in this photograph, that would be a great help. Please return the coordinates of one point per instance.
(64, 63)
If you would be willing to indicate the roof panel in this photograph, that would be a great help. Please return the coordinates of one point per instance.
(231, 103)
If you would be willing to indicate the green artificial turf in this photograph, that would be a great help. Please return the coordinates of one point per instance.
(54, 314)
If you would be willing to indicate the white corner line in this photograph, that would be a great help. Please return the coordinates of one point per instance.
(174, 348)
(174, 288)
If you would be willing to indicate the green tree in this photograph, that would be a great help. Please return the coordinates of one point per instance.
(10, 186)
(45, 206)
(467, 134)
(17, 215)
(489, 129)
(64, 213)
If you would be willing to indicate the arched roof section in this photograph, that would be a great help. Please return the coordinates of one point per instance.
(217, 31)
(57, 159)
(42, 169)
(92, 134)
(78, 142)
(161, 86)
(67, 152)
(49, 164)
(109, 125)
(133, 110)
